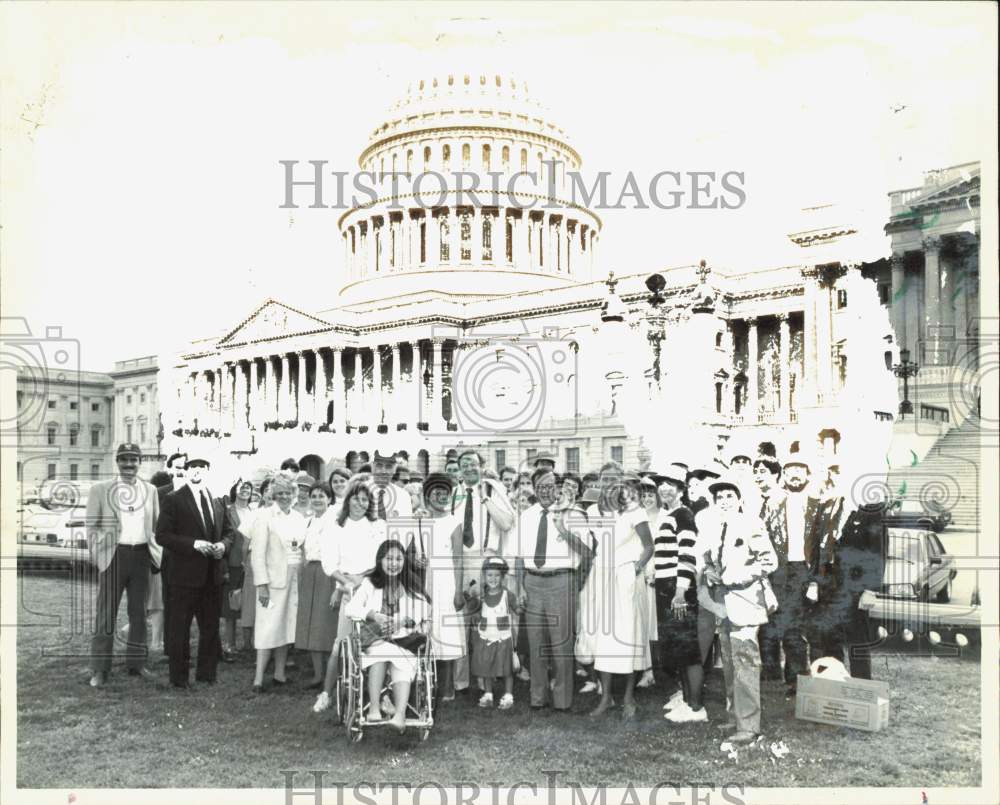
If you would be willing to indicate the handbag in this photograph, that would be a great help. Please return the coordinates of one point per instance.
(236, 599)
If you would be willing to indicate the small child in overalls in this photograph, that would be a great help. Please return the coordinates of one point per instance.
(494, 634)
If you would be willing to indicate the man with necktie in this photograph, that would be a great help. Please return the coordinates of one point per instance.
(390, 501)
(547, 549)
(487, 515)
(195, 532)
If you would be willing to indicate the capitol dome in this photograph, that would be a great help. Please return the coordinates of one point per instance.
(452, 133)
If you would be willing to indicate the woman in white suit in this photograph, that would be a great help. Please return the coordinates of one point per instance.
(277, 559)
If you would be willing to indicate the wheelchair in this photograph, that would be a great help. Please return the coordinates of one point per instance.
(352, 690)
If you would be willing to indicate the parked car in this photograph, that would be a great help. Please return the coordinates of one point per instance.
(917, 567)
(914, 513)
(54, 537)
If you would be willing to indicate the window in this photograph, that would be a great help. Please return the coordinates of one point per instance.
(487, 238)
(505, 157)
(409, 161)
(128, 432)
(486, 159)
(500, 459)
(509, 240)
(20, 472)
(73, 406)
(466, 156)
(718, 398)
(73, 437)
(465, 219)
(530, 453)
(95, 407)
(446, 156)
(74, 472)
(50, 435)
(142, 397)
(52, 405)
(883, 294)
(20, 399)
(718, 339)
(573, 459)
(841, 299)
(142, 432)
(95, 472)
(128, 399)
(617, 453)
(444, 229)
(51, 473)
(95, 437)
(524, 160)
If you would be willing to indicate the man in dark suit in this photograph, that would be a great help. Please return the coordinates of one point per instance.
(195, 532)
(799, 530)
(175, 469)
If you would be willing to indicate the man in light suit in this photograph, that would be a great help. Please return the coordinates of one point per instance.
(196, 533)
(121, 522)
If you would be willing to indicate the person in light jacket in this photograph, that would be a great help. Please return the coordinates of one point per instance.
(277, 559)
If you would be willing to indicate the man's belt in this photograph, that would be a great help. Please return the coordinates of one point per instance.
(547, 573)
(133, 547)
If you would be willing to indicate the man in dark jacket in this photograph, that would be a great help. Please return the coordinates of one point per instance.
(194, 530)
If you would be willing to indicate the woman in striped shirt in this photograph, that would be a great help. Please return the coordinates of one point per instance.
(675, 571)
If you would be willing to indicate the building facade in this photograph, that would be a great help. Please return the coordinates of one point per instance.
(137, 409)
(489, 325)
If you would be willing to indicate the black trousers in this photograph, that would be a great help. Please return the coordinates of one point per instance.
(203, 604)
(847, 630)
(787, 626)
(127, 573)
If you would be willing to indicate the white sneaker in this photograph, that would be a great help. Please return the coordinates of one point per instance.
(647, 680)
(589, 687)
(486, 700)
(679, 716)
(676, 711)
(322, 702)
(672, 702)
(506, 701)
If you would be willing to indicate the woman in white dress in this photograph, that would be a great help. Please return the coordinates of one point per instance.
(276, 557)
(347, 557)
(393, 605)
(433, 547)
(649, 500)
(620, 634)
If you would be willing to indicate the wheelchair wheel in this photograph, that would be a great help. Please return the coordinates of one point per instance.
(344, 683)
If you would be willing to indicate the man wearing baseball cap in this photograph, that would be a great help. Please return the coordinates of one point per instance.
(121, 521)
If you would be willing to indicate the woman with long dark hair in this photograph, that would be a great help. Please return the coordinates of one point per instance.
(392, 603)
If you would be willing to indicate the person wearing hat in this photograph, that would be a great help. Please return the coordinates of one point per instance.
(544, 461)
(698, 497)
(303, 483)
(677, 612)
(796, 526)
(493, 635)
(195, 531)
(121, 522)
(736, 567)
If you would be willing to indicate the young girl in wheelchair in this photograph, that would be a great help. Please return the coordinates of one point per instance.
(394, 611)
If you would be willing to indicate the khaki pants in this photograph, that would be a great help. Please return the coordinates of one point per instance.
(741, 669)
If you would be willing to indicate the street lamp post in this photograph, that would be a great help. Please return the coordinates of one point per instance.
(905, 369)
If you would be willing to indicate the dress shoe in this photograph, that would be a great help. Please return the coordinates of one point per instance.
(142, 672)
(258, 689)
(99, 679)
(743, 737)
(279, 682)
(315, 685)
(228, 657)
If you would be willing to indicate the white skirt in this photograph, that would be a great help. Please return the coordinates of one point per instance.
(404, 663)
(448, 628)
(621, 643)
(275, 626)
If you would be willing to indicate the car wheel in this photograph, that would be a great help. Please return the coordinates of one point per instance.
(944, 596)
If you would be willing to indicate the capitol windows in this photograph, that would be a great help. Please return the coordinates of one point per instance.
(509, 240)
(841, 299)
(74, 437)
(427, 157)
(505, 157)
(466, 153)
(883, 294)
(74, 472)
(446, 157)
(486, 159)
(423, 241)
(465, 231)
(487, 237)
(50, 435)
(409, 160)
(95, 437)
(524, 160)
(444, 229)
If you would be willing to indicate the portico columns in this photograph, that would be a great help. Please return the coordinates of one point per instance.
(301, 413)
(784, 365)
(254, 399)
(395, 412)
(809, 337)
(752, 383)
(337, 383)
(436, 419)
(270, 390)
(358, 401)
(377, 384)
(932, 299)
(417, 393)
(897, 302)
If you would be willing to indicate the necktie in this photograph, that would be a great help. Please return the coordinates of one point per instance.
(381, 505)
(542, 543)
(206, 513)
(467, 538)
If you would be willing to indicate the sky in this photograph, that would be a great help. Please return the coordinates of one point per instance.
(141, 143)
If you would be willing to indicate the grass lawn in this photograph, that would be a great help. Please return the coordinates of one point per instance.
(142, 733)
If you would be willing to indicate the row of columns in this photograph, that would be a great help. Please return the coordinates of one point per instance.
(526, 240)
(949, 294)
(244, 394)
(784, 367)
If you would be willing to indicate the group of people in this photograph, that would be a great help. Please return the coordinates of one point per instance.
(538, 574)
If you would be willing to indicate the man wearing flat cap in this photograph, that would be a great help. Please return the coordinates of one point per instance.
(121, 519)
(390, 501)
(194, 529)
